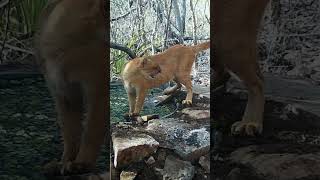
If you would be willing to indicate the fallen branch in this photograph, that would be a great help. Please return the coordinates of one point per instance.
(17, 48)
(124, 49)
(6, 32)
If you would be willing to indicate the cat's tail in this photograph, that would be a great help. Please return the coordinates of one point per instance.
(201, 47)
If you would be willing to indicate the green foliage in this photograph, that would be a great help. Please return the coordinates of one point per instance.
(119, 62)
(120, 58)
(24, 15)
(27, 14)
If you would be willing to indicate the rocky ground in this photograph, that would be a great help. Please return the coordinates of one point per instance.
(289, 41)
(289, 147)
(29, 135)
(175, 147)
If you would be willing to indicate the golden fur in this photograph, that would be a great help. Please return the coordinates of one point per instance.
(235, 27)
(175, 64)
(71, 51)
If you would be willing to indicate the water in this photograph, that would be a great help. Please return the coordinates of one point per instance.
(119, 104)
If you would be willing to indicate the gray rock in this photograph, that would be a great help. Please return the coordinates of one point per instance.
(128, 175)
(161, 155)
(204, 161)
(189, 141)
(196, 114)
(41, 117)
(129, 148)
(176, 169)
(263, 163)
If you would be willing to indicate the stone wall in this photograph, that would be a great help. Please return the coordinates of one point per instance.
(289, 40)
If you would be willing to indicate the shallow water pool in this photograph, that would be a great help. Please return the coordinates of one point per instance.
(119, 103)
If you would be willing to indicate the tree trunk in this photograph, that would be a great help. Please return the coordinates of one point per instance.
(178, 18)
(165, 44)
(194, 23)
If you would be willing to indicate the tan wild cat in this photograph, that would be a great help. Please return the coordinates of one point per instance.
(175, 64)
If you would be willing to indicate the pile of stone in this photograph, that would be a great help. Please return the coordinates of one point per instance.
(164, 148)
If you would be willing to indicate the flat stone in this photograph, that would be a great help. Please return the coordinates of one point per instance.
(204, 161)
(189, 141)
(279, 162)
(128, 175)
(129, 148)
(196, 114)
(177, 169)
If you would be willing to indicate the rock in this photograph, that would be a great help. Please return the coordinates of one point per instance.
(158, 172)
(150, 160)
(177, 169)
(281, 162)
(129, 148)
(161, 155)
(204, 161)
(189, 141)
(21, 133)
(28, 115)
(140, 120)
(16, 115)
(128, 175)
(196, 114)
(146, 118)
(41, 117)
(2, 130)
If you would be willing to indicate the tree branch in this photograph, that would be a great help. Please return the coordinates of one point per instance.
(17, 48)
(167, 25)
(124, 49)
(123, 16)
(194, 23)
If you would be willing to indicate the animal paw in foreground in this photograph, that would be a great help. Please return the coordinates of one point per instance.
(246, 128)
(187, 102)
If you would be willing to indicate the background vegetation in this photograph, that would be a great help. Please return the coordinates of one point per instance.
(154, 26)
(18, 23)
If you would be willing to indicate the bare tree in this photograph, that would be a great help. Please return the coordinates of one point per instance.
(194, 23)
(165, 44)
(180, 17)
